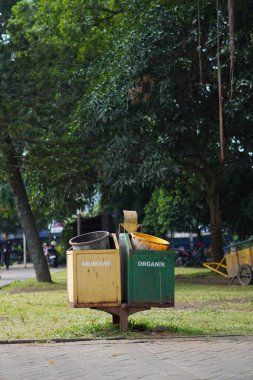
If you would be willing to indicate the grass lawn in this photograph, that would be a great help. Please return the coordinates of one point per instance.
(32, 310)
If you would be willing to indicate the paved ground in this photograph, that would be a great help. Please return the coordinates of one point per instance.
(223, 358)
(175, 359)
(18, 272)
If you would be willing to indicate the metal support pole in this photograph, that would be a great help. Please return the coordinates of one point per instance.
(78, 219)
(24, 249)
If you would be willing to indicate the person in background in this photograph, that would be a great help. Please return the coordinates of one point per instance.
(7, 244)
(53, 254)
(200, 247)
(45, 249)
(52, 248)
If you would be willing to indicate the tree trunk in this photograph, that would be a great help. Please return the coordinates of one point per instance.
(25, 214)
(215, 220)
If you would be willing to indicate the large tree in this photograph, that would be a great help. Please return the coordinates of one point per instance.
(45, 51)
(164, 56)
(117, 96)
(58, 42)
(11, 110)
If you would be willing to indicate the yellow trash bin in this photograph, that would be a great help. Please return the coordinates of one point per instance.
(93, 276)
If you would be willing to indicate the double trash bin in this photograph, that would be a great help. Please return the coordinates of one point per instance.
(109, 270)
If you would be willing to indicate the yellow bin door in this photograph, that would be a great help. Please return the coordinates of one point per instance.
(93, 277)
(97, 278)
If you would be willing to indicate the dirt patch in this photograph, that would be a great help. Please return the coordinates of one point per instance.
(198, 305)
(2, 318)
(202, 280)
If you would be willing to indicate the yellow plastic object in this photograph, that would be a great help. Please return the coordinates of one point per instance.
(142, 241)
(217, 267)
(93, 277)
(130, 221)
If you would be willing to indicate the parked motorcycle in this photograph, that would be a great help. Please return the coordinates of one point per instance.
(52, 256)
(188, 258)
(52, 261)
(182, 257)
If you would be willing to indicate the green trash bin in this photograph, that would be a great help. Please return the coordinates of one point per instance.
(147, 276)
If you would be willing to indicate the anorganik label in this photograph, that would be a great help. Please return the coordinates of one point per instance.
(153, 264)
(96, 263)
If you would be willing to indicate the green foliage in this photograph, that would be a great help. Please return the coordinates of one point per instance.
(142, 137)
(174, 211)
(43, 77)
(66, 235)
(107, 97)
(174, 130)
(9, 221)
(238, 186)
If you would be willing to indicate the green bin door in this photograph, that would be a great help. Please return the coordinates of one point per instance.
(150, 278)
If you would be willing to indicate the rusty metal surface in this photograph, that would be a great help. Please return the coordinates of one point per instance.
(120, 314)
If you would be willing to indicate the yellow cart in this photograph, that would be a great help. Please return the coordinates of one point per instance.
(236, 263)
